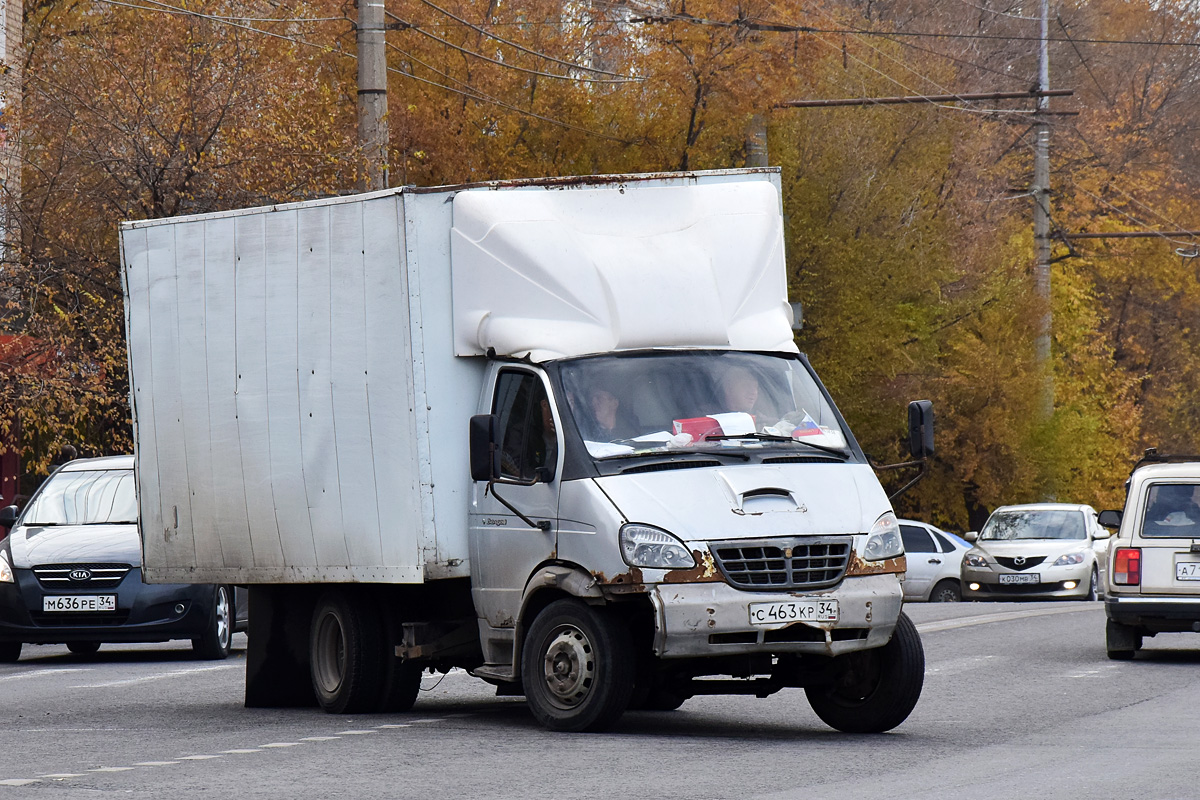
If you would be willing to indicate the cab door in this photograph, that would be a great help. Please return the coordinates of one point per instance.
(506, 549)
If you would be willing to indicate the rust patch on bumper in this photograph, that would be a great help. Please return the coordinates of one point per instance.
(705, 571)
(889, 565)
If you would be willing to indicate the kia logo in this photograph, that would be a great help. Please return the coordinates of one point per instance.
(80, 575)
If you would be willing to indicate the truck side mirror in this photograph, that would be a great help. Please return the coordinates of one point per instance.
(485, 456)
(8, 516)
(920, 428)
(1110, 519)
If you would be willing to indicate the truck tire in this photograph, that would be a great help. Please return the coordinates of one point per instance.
(10, 652)
(400, 686)
(874, 690)
(1121, 641)
(217, 638)
(83, 648)
(577, 667)
(346, 654)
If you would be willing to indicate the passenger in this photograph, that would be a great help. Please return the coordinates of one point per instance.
(739, 390)
(1174, 511)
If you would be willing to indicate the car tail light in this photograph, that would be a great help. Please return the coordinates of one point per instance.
(1127, 566)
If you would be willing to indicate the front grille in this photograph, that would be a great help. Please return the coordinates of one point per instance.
(102, 576)
(1028, 563)
(798, 563)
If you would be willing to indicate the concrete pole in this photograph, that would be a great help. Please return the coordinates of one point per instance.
(1041, 221)
(756, 142)
(372, 95)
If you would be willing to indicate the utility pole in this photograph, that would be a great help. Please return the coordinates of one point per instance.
(372, 95)
(1040, 190)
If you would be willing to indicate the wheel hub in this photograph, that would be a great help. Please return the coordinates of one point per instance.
(569, 667)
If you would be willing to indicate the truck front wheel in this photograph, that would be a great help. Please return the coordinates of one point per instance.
(346, 655)
(577, 667)
(873, 690)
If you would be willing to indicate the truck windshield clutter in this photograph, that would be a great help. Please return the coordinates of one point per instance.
(554, 432)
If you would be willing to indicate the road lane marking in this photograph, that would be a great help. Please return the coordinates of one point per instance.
(37, 673)
(155, 677)
(110, 769)
(319, 738)
(155, 763)
(388, 727)
(280, 744)
(59, 776)
(354, 733)
(1000, 616)
(18, 781)
(197, 758)
(242, 750)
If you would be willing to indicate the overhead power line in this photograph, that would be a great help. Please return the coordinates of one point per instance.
(931, 98)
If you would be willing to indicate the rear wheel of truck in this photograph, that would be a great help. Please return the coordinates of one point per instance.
(874, 690)
(577, 667)
(1121, 641)
(10, 652)
(346, 654)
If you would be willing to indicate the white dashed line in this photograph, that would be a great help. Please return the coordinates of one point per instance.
(354, 733)
(59, 776)
(280, 744)
(196, 758)
(155, 763)
(111, 769)
(37, 673)
(243, 750)
(18, 781)
(319, 738)
(155, 677)
(389, 727)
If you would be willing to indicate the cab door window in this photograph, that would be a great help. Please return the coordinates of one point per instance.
(525, 427)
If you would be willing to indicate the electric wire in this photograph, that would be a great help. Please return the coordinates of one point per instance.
(467, 51)
(518, 46)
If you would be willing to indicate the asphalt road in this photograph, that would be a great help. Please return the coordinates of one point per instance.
(1019, 701)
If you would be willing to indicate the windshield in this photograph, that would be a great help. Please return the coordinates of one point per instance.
(668, 401)
(84, 498)
(1034, 524)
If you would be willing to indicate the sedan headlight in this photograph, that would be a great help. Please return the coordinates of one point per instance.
(884, 540)
(1067, 559)
(972, 560)
(646, 546)
(6, 573)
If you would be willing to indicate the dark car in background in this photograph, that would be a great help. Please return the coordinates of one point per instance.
(70, 572)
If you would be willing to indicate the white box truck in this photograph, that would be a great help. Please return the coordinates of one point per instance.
(554, 432)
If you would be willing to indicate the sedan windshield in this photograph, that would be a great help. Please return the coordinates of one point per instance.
(84, 498)
(679, 401)
(1034, 524)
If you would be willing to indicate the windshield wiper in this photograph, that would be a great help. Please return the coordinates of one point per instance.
(670, 454)
(770, 437)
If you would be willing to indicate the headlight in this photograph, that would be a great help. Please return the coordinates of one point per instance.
(644, 546)
(971, 560)
(1067, 559)
(884, 539)
(6, 573)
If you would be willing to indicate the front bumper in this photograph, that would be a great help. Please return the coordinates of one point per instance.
(1049, 587)
(144, 613)
(1157, 614)
(713, 619)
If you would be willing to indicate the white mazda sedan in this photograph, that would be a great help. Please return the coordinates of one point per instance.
(1040, 551)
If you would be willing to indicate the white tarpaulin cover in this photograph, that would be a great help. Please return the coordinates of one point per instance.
(553, 272)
